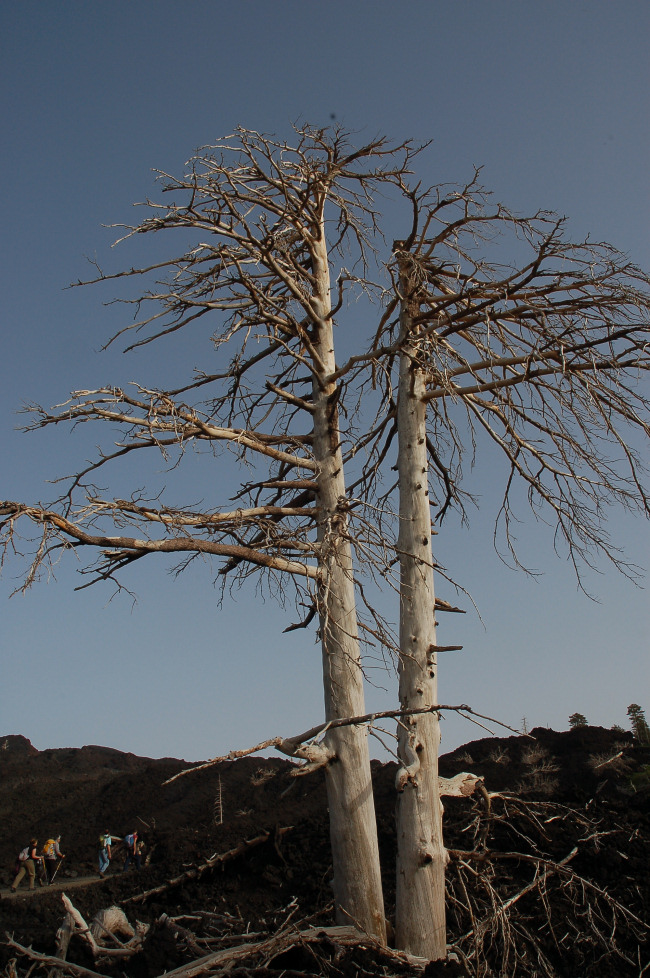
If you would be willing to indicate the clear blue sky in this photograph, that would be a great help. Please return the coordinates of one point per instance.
(552, 98)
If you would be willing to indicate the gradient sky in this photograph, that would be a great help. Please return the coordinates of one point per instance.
(551, 98)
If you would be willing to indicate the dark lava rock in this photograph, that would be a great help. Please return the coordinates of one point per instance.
(551, 792)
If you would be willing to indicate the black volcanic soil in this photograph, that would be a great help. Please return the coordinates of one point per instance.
(560, 791)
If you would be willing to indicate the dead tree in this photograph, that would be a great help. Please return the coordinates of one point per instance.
(510, 334)
(267, 220)
(487, 328)
(420, 883)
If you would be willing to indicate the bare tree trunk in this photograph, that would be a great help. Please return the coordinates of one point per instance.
(353, 825)
(421, 858)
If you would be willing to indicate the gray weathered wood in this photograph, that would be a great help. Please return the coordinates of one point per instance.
(421, 859)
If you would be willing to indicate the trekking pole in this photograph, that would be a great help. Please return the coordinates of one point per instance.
(57, 869)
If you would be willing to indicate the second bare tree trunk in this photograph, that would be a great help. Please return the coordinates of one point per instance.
(421, 859)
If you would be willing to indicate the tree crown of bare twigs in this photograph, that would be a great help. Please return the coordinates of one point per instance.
(530, 343)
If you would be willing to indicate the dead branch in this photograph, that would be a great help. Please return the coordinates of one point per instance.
(538, 881)
(441, 605)
(559, 867)
(197, 871)
(63, 938)
(609, 760)
(291, 745)
(48, 959)
(343, 935)
(187, 935)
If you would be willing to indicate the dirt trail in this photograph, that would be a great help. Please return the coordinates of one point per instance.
(64, 884)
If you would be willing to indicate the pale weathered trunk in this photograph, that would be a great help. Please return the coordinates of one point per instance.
(421, 859)
(353, 826)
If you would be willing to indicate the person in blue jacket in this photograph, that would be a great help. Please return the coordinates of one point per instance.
(132, 851)
(105, 842)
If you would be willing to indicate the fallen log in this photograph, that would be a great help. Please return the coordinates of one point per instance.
(218, 860)
(343, 935)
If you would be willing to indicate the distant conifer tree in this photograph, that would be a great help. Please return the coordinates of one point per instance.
(578, 720)
(639, 724)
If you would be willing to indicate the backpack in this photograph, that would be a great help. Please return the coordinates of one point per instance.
(129, 839)
(48, 849)
(24, 854)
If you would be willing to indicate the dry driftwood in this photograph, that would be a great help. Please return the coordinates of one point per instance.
(217, 860)
(209, 939)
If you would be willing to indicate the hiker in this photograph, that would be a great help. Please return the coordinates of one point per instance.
(132, 852)
(28, 861)
(105, 841)
(52, 852)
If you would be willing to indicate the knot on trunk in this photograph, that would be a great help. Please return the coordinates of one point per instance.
(429, 852)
